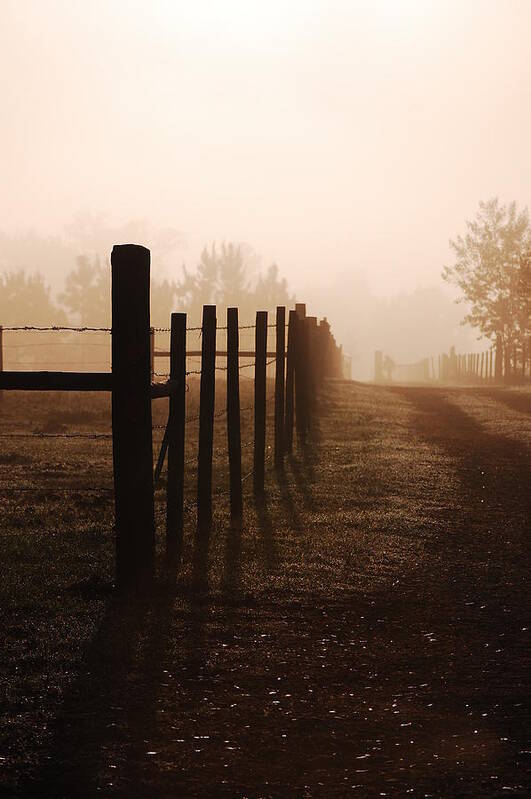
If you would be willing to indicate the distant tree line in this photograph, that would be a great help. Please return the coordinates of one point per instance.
(492, 269)
(222, 277)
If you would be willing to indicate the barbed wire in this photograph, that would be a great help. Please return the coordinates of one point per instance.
(87, 329)
(218, 327)
(56, 328)
(244, 365)
(56, 435)
(57, 489)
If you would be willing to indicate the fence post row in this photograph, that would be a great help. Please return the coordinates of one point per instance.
(301, 367)
(499, 364)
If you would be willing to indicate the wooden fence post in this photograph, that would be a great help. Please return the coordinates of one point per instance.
(311, 323)
(301, 409)
(290, 382)
(207, 399)
(131, 415)
(176, 433)
(279, 385)
(233, 419)
(326, 353)
(260, 400)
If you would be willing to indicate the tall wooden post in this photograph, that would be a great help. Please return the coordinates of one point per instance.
(131, 415)
(290, 382)
(206, 420)
(301, 409)
(313, 380)
(176, 434)
(233, 419)
(279, 385)
(260, 400)
(322, 345)
(326, 353)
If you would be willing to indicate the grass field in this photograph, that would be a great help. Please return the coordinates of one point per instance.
(366, 634)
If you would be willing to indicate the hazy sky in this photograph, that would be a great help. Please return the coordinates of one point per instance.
(330, 136)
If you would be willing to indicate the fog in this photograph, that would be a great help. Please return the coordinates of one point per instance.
(345, 141)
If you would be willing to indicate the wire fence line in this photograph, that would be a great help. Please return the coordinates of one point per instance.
(56, 328)
(299, 373)
(57, 435)
(58, 489)
(90, 329)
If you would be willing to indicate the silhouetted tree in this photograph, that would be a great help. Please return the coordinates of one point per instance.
(87, 295)
(222, 278)
(26, 299)
(87, 292)
(166, 297)
(272, 290)
(490, 270)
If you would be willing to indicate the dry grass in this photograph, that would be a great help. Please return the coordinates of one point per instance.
(364, 635)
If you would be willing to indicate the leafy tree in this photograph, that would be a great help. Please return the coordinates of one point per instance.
(490, 270)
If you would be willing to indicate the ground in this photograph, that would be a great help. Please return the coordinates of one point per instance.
(366, 634)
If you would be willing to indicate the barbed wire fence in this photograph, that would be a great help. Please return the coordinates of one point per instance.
(493, 366)
(302, 354)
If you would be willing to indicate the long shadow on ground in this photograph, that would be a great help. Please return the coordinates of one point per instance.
(484, 565)
(516, 400)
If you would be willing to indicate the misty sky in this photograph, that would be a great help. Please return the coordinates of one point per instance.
(334, 137)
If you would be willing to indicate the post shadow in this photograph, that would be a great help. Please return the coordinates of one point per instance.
(233, 557)
(112, 705)
(267, 531)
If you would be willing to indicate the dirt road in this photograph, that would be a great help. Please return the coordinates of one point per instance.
(366, 635)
